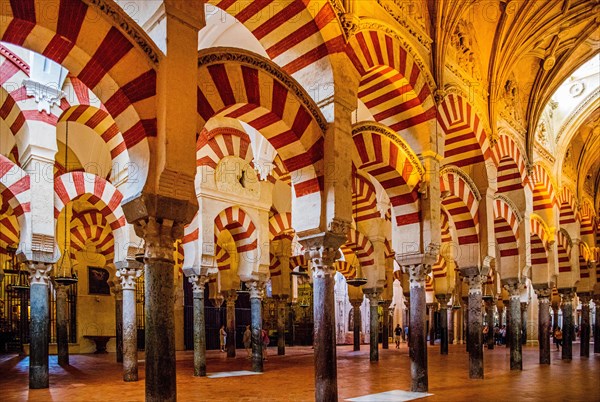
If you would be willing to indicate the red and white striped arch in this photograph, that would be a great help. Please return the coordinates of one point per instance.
(280, 226)
(223, 258)
(298, 261)
(563, 246)
(543, 191)
(189, 243)
(466, 139)
(587, 217)
(429, 283)
(506, 228)
(86, 41)
(439, 269)
(379, 152)
(13, 70)
(508, 150)
(295, 34)
(220, 142)
(11, 113)
(360, 245)
(346, 269)
(585, 254)
(539, 228)
(568, 206)
(256, 91)
(461, 204)
(274, 266)
(9, 235)
(15, 192)
(393, 86)
(364, 199)
(242, 229)
(92, 229)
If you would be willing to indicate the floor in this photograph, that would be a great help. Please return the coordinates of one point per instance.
(290, 377)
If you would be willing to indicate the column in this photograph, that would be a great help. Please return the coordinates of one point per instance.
(584, 350)
(466, 323)
(450, 324)
(500, 315)
(431, 308)
(524, 323)
(543, 295)
(489, 311)
(256, 296)
(417, 266)
(159, 299)
(475, 328)
(118, 292)
(385, 334)
(62, 331)
(230, 298)
(324, 327)
(281, 315)
(567, 329)
(555, 308)
(507, 309)
(514, 324)
(597, 324)
(443, 301)
(198, 283)
(40, 321)
(128, 271)
(357, 322)
(373, 296)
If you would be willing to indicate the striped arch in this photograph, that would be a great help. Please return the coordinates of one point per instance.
(360, 245)
(9, 235)
(540, 229)
(220, 142)
(385, 156)
(13, 70)
(11, 113)
(506, 228)
(461, 201)
(178, 256)
(429, 284)
(439, 269)
(244, 86)
(346, 269)
(298, 261)
(279, 172)
(274, 266)
(364, 199)
(280, 226)
(587, 217)
(466, 139)
(568, 206)
(241, 227)
(85, 39)
(393, 85)
(91, 229)
(314, 34)
(15, 192)
(543, 190)
(223, 258)
(564, 244)
(512, 169)
(585, 255)
(189, 244)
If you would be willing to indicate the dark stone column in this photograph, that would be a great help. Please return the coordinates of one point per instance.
(524, 323)
(128, 272)
(357, 322)
(159, 298)
(230, 299)
(584, 350)
(38, 327)
(281, 324)
(443, 301)
(431, 308)
(513, 286)
(450, 324)
(198, 283)
(475, 279)
(489, 311)
(543, 295)
(555, 308)
(417, 266)
(373, 296)
(465, 310)
(567, 329)
(597, 324)
(256, 296)
(62, 331)
(118, 292)
(385, 334)
(507, 332)
(500, 315)
(324, 323)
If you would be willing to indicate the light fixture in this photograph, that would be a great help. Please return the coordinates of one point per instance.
(358, 279)
(66, 275)
(22, 284)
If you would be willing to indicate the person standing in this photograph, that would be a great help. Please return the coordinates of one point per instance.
(558, 337)
(248, 341)
(398, 335)
(265, 342)
(222, 338)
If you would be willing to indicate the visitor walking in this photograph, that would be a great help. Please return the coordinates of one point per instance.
(398, 335)
(265, 342)
(558, 338)
(222, 338)
(248, 341)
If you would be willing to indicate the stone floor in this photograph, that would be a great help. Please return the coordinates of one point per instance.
(290, 378)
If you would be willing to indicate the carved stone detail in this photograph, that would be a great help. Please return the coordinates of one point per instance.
(198, 282)
(45, 96)
(257, 289)
(128, 273)
(39, 273)
(414, 26)
(459, 172)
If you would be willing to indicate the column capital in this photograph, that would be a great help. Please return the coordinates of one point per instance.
(39, 273)
(128, 271)
(198, 282)
(584, 297)
(230, 296)
(257, 289)
(443, 300)
(322, 259)
(543, 293)
(116, 289)
(513, 286)
(356, 302)
(475, 281)
(567, 295)
(373, 296)
(61, 290)
(596, 298)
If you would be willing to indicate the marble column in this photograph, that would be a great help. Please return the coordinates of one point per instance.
(357, 322)
(489, 311)
(256, 296)
(465, 323)
(555, 308)
(324, 322)
(507, 332)
(159, 306)
(597, 324)
(475, 280)
(198, 283)
(118, 292)
(524, 323)
(514, 320)
(281, 323)
(385, 334)
(62, 330)
(443, 301)
(431, 308)
(585, 329)
(230, 299)
(128, 272)
(373, 296)
(417, 266)
(567, 329)
(40, 320)
(450, 323)
(543, 295)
